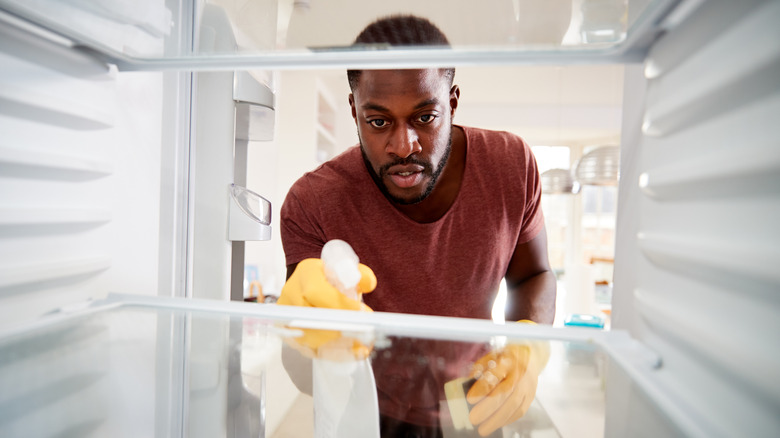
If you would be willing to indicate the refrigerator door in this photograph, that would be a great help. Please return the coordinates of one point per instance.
(275, 34)
(133, 366)
(696, 275)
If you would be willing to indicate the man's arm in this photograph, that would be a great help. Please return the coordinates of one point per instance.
(531, 285)
(290, 270)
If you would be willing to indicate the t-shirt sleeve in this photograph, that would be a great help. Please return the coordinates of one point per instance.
(302, 238)
(533, 219)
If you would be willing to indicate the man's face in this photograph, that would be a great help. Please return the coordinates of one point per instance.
(404, 123)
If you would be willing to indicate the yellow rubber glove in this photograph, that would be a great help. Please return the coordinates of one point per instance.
(506, 384)
(308, 286)
(330, 344)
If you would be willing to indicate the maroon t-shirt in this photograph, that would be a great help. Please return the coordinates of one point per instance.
(451, 267)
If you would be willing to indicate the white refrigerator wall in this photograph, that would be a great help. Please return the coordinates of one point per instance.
(696, 276)
(80, 179)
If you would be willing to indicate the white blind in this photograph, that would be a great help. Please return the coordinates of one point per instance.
(697, 277)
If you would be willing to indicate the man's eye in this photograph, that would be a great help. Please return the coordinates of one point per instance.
(426, 118)
(377, 123)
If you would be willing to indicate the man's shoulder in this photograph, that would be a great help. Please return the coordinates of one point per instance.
(338, 172)
(489, 137)
(493, 144)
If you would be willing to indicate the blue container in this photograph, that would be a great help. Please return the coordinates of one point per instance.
(583, 320)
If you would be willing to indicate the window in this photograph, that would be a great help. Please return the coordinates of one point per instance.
(557, 209)
(594, 208)
(598, 229)
(552, 157)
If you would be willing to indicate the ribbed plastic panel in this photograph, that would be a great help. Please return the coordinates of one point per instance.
(79, 177)
(701, 226)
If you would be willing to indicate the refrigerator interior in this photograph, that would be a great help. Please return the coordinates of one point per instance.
(115, 175)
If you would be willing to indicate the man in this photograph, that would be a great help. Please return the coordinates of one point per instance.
(441, 213)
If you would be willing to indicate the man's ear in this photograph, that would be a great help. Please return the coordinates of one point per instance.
(352, 106)
(454, 96)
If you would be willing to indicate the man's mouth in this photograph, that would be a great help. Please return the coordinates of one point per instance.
(404, 175)
(406, 179)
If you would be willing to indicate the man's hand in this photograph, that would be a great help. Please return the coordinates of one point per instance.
(307, 286)
(506, 384)
(332, 345)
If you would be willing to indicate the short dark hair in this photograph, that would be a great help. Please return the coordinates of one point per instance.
(400, 30)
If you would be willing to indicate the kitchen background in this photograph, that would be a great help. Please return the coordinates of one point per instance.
(545, 105)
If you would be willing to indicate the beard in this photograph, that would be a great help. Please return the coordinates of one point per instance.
(428, 170)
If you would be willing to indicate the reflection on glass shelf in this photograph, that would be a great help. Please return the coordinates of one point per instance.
(276, 33)
(122, 371)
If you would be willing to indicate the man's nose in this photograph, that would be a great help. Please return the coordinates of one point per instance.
(404, 142)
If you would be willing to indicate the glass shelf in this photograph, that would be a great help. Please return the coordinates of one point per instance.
(136, 366)
(278, 34)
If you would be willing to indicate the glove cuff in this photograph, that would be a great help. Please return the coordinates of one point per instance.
(540, 350)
